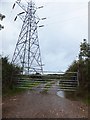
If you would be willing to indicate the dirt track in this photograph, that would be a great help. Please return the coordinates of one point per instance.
(32, 104)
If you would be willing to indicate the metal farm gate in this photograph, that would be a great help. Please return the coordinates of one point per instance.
(49, 80)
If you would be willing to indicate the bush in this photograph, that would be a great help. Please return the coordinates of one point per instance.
(8, 71)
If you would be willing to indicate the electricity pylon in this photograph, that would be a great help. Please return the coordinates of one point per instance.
(27, 52)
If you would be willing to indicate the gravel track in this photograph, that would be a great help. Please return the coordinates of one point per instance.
(33, 104)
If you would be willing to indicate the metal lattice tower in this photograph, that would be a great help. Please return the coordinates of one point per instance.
(27, 52)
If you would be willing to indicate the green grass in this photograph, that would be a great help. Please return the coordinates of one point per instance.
(47, 86)
(89, 101)
(11, 92)
(81, 96)
(86, 99)
(29, 84)
(44, 91)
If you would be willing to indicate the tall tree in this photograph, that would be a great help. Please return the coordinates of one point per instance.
(84, 63)
(83, 66)
(84, 50)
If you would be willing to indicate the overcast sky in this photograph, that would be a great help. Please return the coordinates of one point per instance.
(65, 28)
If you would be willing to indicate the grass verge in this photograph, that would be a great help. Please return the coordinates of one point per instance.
(78, 96)
(11, 92)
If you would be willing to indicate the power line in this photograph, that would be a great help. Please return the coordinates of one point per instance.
(65, 20)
